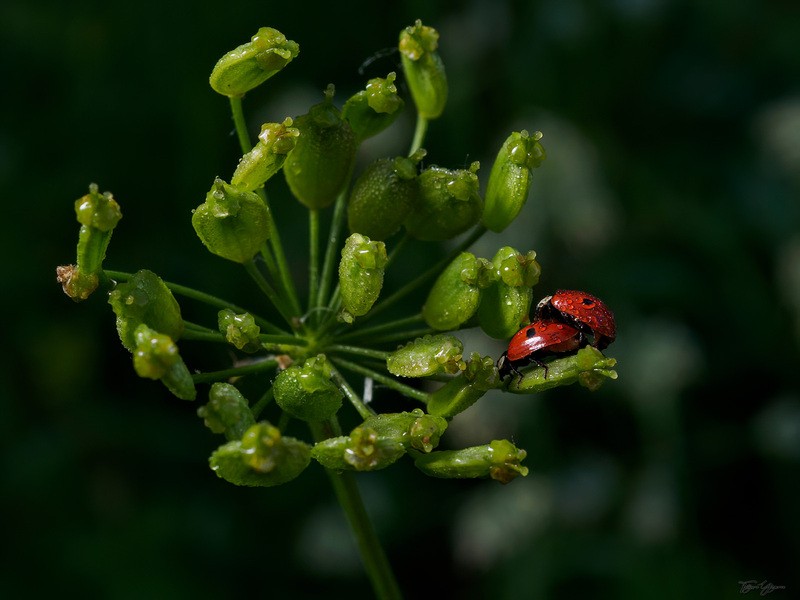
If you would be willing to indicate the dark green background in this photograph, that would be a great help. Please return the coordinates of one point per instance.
(670, 190)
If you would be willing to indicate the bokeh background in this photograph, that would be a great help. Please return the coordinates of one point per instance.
(670, 190)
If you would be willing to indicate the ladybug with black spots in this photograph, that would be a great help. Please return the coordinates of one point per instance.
(583, 311)
(535, 341)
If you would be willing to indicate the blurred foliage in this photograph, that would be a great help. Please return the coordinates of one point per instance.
(671, 190)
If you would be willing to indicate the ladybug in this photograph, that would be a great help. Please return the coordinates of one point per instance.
(583, 311)
(537, 340)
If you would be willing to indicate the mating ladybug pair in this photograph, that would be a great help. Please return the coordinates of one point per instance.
(564, 322)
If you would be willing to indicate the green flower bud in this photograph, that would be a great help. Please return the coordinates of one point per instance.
(156, 357)
(383, 195)
(588, 367)
(319, 167)
(227, 411)
(363, 450)
(307, 392)
(372, 110)
(360, 275)
(262, 458)
(461, 392)
(98, 214)
(425, 356)
(232, 223)
(266, 158)
(510, 178)
(145, 299)
(412, 429)
(449, 203)
(424, 69)
(456, 294)
(500, 460)
(239, 330)
(251, 64)
(505, 304)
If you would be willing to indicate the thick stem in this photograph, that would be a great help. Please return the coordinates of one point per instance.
(419, 134)
(347, 493)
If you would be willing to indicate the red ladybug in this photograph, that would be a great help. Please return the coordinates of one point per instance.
(537, 340)
(583, 311)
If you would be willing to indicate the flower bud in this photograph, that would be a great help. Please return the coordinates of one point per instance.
(505, 304)
(500, 460)
(425, 356)
(510, 178)
(360, 275)
(461, 392)
(383, 195)
(227, 411)
(456, 294)
(363, 450)
(588, 367)
(240, 330)
(156, 357)
(413, 429)
(307, 392)
(266, 158)
(145, 299)
(449, 203)
(251, 64)
(232, 223)
(262, 458)
(372, 110)
(98, 214)
(424, 69)
(319, 167)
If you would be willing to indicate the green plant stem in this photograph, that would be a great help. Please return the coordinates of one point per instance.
(262, 402)
(313, 261)
(379, 354)
(203, 336)
(194, 294)
(419, 134)
(396, 250)
(389, 382)
(406, 335)
(279, 303)
(287, 286)
(429, 274)
(369, 332)
(258, 367)
(351, 395)
(332, 248)
(347, 493)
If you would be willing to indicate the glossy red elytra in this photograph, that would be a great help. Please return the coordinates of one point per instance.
(535, 341)
(583, 311)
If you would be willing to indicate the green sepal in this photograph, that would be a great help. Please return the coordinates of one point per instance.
(456, 293)
(240, 330)
(510, 178)
(232, 223)
(505, 305)
(266, 158)
(145, 299)
(383, 195)
(449, 203)
(156, 357)
(251, 64)
(479, 376)
(499, 459)
(319, 167)
(423, 69)
(307, 392)
(262, 458)
(414, 429)
(227, 411)
(588, 366)
(428, 355)
(373, 109)
(360, 275)
(363, 450)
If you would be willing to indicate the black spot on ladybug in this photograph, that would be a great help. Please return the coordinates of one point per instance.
(587, 302)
